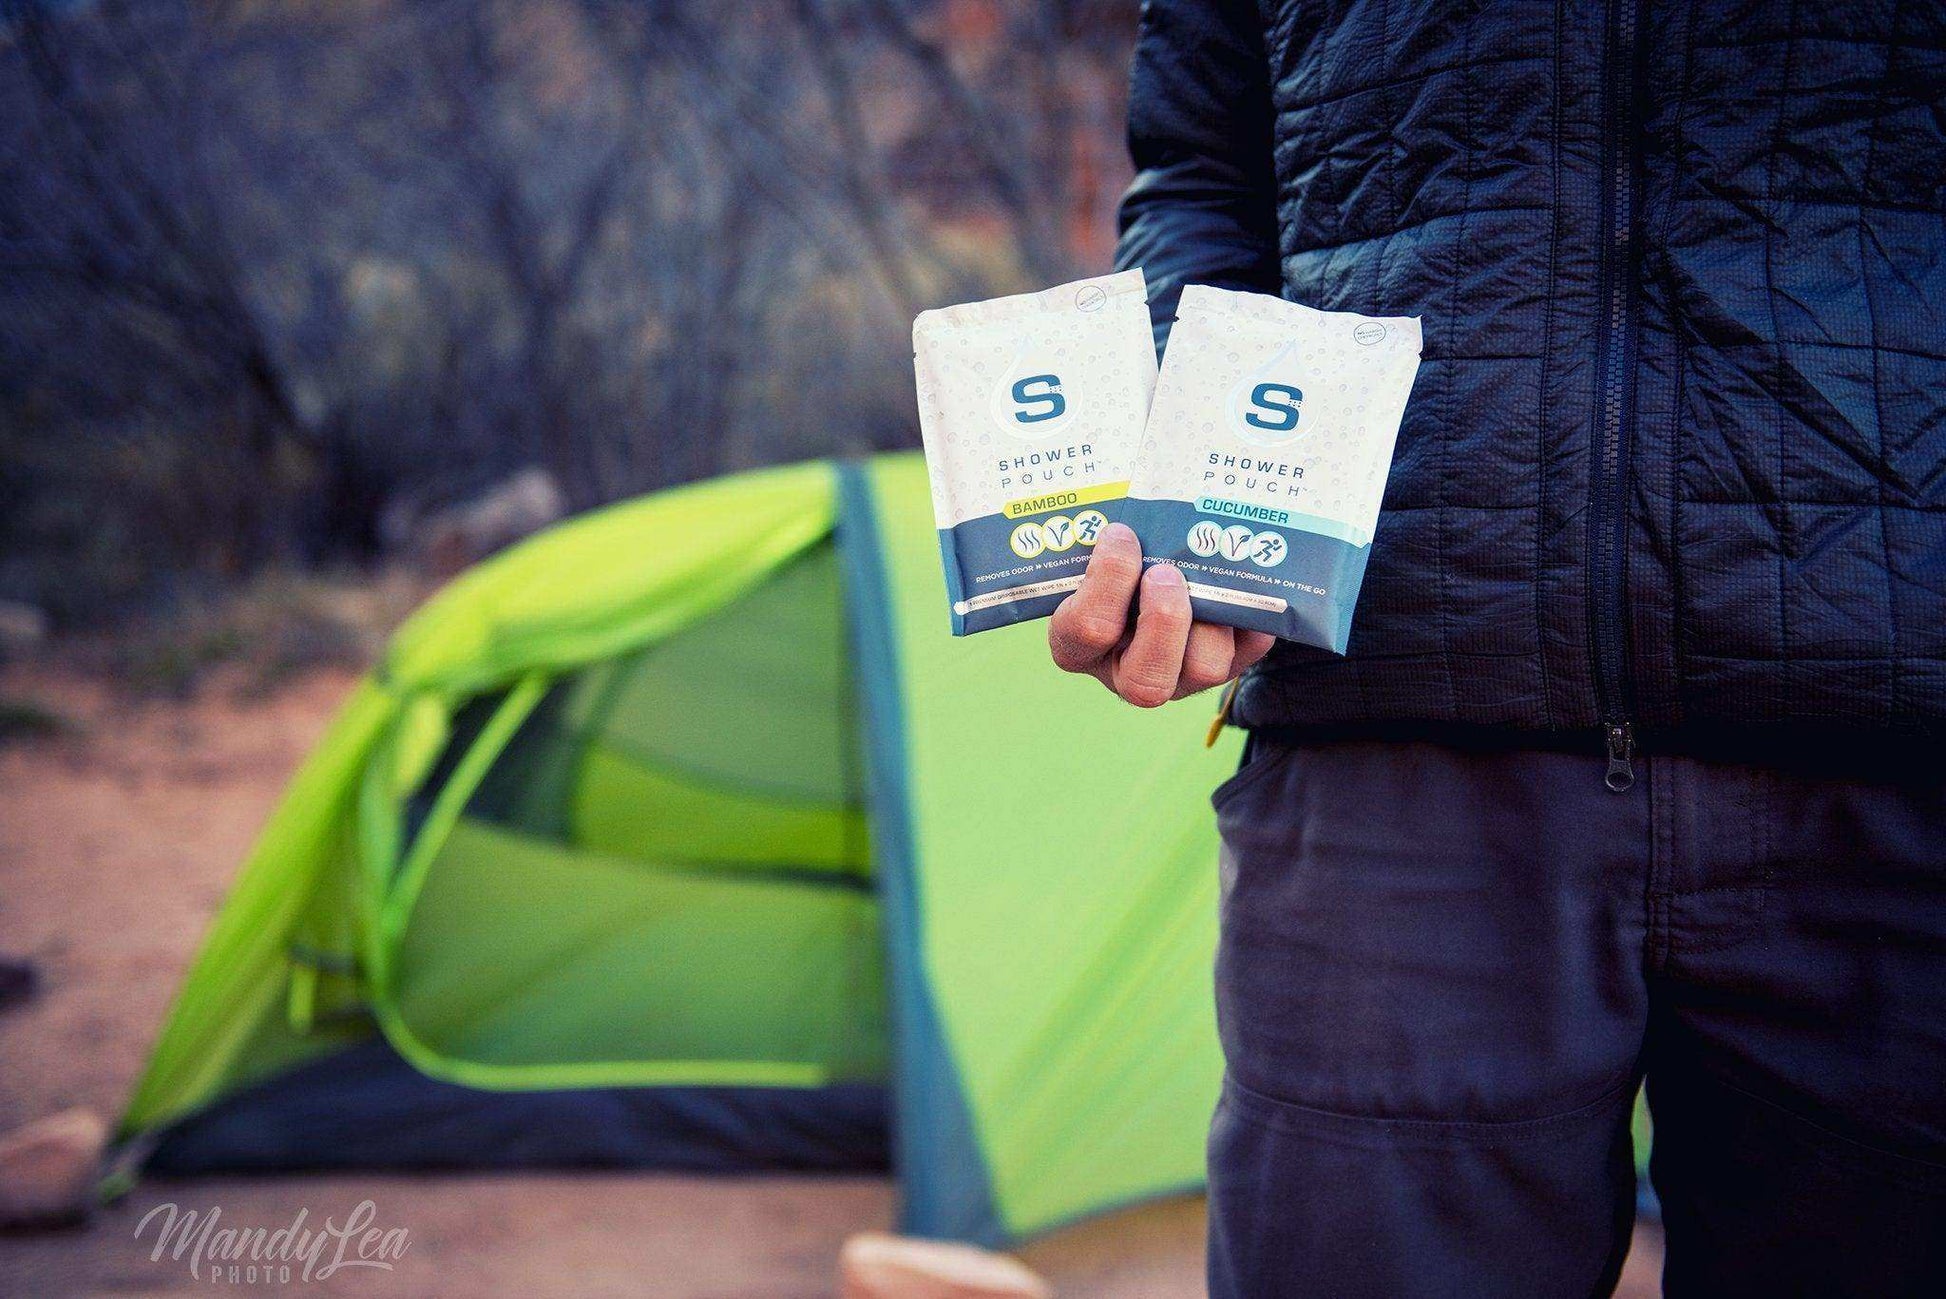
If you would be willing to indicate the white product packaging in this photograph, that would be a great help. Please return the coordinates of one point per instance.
(1265, 458)
(1031, 408)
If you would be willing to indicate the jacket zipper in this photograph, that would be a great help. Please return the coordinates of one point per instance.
(1608, 476)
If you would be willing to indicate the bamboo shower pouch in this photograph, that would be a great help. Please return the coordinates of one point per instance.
(1030, 408)
(1265, 458)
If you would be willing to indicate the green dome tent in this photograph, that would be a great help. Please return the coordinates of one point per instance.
(685, 834)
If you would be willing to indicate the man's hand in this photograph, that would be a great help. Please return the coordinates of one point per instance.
(1168, 654)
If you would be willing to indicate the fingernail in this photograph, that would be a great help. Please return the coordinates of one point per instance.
(1119, 532)
(1164, 575)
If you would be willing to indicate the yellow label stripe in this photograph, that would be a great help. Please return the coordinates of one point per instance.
(1066, 499)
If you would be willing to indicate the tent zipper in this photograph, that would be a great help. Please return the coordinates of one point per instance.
(1608, 475)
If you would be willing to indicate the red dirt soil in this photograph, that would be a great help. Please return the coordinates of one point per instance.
(118, 840)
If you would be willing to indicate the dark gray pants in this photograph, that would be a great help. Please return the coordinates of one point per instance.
(1444, 972)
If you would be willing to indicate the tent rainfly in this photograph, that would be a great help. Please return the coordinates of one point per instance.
(683, 835)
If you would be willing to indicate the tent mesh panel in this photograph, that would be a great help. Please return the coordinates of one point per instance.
(667, 862)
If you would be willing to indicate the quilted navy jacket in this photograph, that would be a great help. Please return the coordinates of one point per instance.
(1675, 463)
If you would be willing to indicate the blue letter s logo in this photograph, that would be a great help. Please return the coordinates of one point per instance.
(1273, 407)
(1039, 390)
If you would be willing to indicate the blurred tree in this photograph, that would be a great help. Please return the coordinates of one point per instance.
(276, 278)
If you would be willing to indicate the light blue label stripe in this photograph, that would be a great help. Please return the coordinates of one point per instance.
(1245, 512)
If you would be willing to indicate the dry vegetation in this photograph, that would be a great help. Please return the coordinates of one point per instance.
(277, 279)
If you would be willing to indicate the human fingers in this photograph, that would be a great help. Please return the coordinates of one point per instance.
(1146, 672)
(1206, 658)
(1250, 646)
(1091, 623)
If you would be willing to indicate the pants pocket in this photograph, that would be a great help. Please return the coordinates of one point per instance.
(1262, 758)
(1309, 1202)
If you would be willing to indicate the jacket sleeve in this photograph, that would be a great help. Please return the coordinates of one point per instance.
(1202, 209)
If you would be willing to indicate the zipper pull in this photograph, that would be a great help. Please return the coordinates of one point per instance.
(1621, 748)
(1222, 713)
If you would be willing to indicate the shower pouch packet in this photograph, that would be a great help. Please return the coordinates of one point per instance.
(1265, 458)
(1030, 408)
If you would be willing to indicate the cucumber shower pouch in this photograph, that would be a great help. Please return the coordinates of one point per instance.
(1031, 408)
(1265, 458)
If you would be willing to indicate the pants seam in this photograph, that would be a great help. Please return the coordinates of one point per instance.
(1281, 1115)
(1657, 887)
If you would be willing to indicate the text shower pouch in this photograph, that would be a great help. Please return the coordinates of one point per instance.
(1265, 458)
(1030, 408)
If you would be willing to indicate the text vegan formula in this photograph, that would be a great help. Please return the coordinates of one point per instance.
(1265, 457)
(1030, 408)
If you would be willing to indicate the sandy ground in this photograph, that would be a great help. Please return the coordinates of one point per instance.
(117, 842)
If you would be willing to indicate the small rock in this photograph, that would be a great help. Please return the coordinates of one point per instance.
(19, 982)
(877, 1266)
(48, 1169)
(449, 539)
